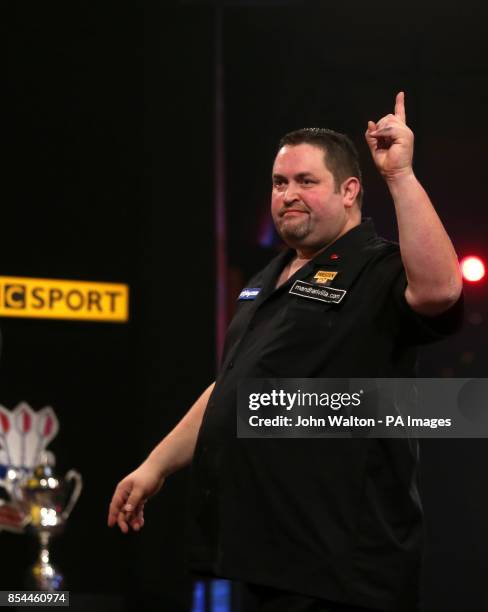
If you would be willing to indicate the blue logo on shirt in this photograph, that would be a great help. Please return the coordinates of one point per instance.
(249, 293)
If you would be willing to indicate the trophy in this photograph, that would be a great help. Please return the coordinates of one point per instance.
(47, 502)
(32, 497)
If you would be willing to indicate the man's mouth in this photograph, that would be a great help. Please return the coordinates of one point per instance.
(293, 212)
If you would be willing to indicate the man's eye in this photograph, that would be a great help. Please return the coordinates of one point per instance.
(308, 181)
(278, 183)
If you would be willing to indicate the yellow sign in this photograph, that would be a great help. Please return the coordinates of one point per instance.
(43, 298)
(323, 276)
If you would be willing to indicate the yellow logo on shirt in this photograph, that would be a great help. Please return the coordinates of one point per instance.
(323, 276)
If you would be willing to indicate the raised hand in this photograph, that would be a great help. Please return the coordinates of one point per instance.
(390, 141)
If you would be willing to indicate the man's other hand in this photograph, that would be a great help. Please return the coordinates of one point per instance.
(127, 505)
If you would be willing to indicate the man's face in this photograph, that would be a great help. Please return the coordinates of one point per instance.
(306, 210)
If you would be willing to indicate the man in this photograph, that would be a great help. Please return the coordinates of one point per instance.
(317, 524)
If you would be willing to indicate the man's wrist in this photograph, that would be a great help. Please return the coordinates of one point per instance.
(400, 181)
(156, 461)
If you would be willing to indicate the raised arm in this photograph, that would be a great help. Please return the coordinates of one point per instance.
(431, 264)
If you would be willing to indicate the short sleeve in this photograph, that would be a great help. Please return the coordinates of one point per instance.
(420, 329)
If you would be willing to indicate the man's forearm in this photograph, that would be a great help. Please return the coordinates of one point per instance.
(175, 451)
(431, 263)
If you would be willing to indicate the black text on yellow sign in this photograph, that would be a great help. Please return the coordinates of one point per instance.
(43, 298)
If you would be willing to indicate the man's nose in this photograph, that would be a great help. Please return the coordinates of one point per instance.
(292, 194)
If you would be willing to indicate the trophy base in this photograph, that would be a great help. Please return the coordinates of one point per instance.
(44, 577)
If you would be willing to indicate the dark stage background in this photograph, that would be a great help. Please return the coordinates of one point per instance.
(109, 123)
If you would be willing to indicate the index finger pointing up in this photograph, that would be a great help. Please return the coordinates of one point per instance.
(400, 106)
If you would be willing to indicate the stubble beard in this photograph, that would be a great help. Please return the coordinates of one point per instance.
(292, 230)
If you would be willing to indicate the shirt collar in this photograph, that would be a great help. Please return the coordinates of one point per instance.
(348, 244)
(344, 247)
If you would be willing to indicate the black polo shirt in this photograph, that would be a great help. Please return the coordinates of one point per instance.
(338, 519)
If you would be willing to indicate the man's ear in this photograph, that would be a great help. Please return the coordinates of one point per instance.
(350, 189)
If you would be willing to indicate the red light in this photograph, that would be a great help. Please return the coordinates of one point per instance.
(473, 269)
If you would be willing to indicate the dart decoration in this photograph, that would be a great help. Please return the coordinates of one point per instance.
(33, 499)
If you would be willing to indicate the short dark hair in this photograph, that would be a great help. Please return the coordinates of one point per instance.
(340, 155)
